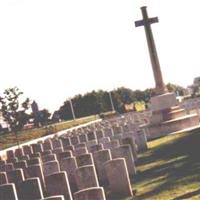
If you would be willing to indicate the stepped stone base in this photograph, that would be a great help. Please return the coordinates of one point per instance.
(163, 101)
(168, 117)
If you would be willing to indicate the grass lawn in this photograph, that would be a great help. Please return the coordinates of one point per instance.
(9, 140)
(170, 169)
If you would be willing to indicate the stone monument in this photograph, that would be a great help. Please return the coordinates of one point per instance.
(167, 117)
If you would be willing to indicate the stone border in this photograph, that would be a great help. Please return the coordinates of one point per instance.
(3, 152)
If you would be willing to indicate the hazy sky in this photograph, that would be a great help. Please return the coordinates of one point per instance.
(54, 49)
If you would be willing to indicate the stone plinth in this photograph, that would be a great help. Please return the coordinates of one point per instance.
(167, 117)
(167, 114)
(170, 126)
(163, 101)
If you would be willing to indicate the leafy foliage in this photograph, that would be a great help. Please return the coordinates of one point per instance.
(97, 102)
(175, 88)
(41, 118)
(14, 112)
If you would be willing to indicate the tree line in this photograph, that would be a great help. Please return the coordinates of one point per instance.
(92, 103)
(97, 102)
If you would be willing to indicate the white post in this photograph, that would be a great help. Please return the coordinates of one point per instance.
(111, 101)
(72, 109)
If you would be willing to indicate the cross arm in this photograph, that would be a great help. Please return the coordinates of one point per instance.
(139, 23)
(148, 21)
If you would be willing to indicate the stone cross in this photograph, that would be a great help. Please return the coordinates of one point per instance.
(146, 22)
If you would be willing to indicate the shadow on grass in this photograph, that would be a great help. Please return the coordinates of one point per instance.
(188, 195)
(180, 166)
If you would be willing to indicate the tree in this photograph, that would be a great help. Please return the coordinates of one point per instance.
(55, 117)
(14, 112)
(96, 102)
(175, 88)
(195, 91)
(44, 116)
(41, 117)
(65, 111)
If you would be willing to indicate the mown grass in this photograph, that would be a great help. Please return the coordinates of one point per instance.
(9, 140)
(170, 169)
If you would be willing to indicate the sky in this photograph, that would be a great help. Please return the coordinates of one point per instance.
(54, 49)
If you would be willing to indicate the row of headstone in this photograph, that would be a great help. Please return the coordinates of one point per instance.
(56, 184)
(77, 164)
(15, 186)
